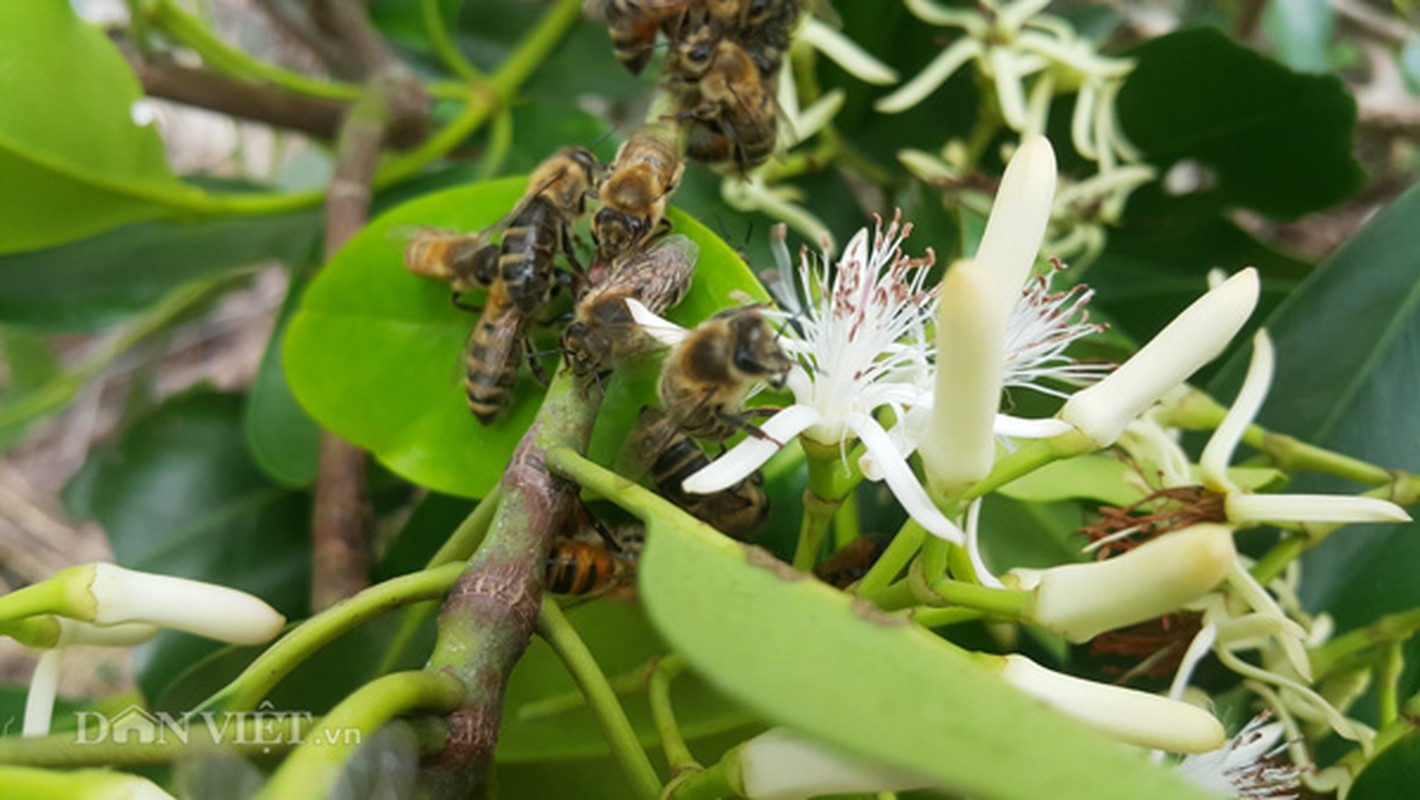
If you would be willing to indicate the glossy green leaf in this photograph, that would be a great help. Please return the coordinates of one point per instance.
(74, 161)
(803, 655)
(374, 353)
(1346, 379)
(177, 494)
(1394, 774)
(284, 440)
(1279, 142)
(1091, 477)
(105, 278)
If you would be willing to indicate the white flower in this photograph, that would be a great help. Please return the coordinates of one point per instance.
(859, 337)
(1029, 57)
(1244, 767)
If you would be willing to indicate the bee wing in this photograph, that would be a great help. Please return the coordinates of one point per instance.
(657, 327)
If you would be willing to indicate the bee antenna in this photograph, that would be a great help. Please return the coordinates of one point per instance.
(600, 139)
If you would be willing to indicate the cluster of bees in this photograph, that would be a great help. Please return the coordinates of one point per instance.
(721, 63)
(706, 376)
(721, 66)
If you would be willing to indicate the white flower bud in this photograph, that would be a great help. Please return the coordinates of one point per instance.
(960, 446)
(1081, 601)
(1191, 340)
(217, 612)
(781, 765)
(1129, 715)
(1016, 226)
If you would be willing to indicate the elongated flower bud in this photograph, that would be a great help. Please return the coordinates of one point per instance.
(1081, 601)
(781, 765)
(217, 612)
(1129, 715)
(960, 445)
(1016, 227)
(1191, 340)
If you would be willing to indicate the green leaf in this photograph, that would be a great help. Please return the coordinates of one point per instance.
(177, 494)
(106, 278)
(284, 440)
(74, 161)
(369, 329)
(1394, 773)
(1279, 142)
(1091, 477)
(1345, 379)
(805, 656)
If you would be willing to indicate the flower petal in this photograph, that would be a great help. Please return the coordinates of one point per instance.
(846, 52)
(1022, 428)
(901, 480)
(750, 454)
(1243, 508)
(935, 74)
(1224, 441)
(655, 326)
(1016, 225)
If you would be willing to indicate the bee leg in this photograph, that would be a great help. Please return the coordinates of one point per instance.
(751, 429)
(462, 306)
(534, 364)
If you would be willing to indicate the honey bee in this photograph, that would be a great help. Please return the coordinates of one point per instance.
(708, 373)
(533, 232)
(586, 569)
(731, 106)
(603, 334)
(762, 27)
(588, 560)
(634, 194)
(464, 260)
(633, 25)
(670, 456)
(850, 563)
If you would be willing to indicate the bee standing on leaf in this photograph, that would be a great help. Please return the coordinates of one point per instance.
(603, 334)
(518, 271)
(710, 371)
(634, 195)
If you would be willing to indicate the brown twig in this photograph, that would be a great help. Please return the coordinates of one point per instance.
(205, 88)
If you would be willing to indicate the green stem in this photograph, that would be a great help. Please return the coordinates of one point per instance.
(712, 783)
(443, 43)
(313, 768)
(814, 528)
(663, 714)
(65, 593)
(1197, 411)
(40, 631)
(278, 660)
(219, 55)
(894, 559)
(1388, 673)
(500, 144)
(611, 718)
(846, 527)
(1345, 649)
(1028, 459)
(1006, 604)
(41, 784)
(630, 496)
